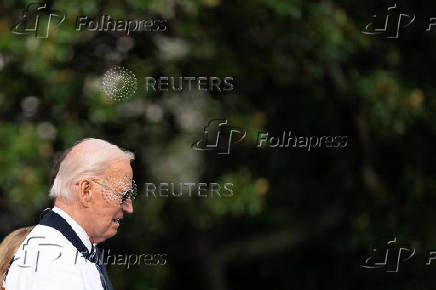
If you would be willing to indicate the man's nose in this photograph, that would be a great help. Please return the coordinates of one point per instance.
(127, 206)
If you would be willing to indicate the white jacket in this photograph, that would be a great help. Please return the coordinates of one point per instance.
(47, 260)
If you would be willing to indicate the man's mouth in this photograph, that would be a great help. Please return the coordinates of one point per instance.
(117, 221)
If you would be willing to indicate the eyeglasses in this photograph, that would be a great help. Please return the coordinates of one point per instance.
(122, 196)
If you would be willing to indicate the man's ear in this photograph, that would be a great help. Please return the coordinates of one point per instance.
(85, 192)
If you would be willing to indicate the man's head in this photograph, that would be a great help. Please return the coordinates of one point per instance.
(92, 180)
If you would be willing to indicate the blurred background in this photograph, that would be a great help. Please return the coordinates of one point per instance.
(297, 218)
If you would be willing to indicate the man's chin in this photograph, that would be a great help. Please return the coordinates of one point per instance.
(113, 231)
(109, 234)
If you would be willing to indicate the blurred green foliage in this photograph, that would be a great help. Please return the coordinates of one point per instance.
(297, 218)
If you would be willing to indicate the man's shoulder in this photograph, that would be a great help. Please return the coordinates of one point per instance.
(45, 248)
(46, 232)
(46, 255)
(42, 237)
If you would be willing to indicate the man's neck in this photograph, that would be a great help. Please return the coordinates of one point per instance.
(74, 213)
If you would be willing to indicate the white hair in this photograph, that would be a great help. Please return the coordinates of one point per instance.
(91, 160)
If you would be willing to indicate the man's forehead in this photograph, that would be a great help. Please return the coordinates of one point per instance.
(119, 173)
(119, 163)
(119, 167)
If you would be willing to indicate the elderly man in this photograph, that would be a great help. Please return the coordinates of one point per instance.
(93, 189)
